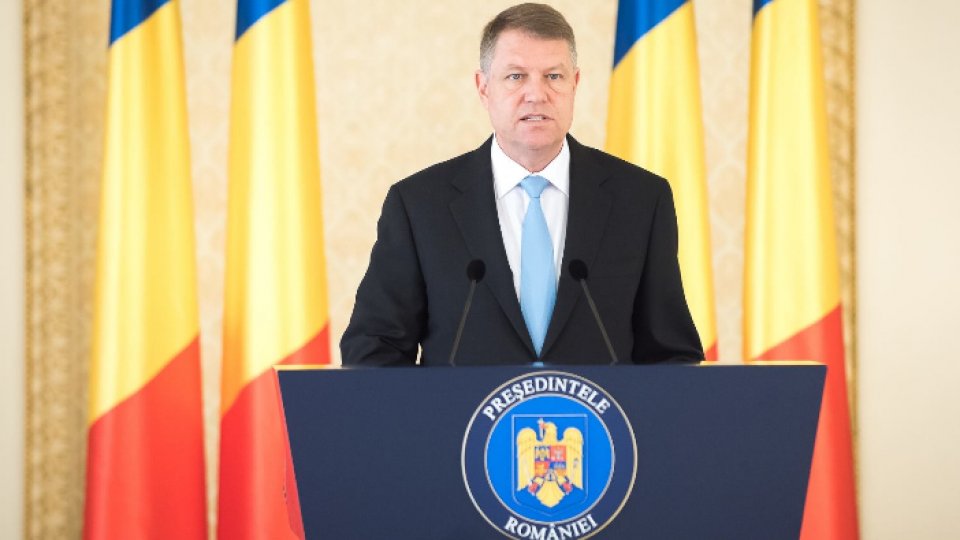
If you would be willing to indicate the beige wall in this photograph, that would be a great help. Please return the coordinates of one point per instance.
(11, 271)
(908, 203)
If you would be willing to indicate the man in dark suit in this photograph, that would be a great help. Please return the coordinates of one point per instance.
(527, 203)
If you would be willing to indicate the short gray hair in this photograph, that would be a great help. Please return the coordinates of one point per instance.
(538, 20)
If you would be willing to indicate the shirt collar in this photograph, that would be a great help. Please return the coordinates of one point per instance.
(507, 173)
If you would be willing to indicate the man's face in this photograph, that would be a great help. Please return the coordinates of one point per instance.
(528, 92)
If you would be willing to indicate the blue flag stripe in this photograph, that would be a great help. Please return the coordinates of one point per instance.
(758, 5)
(637, 17)
(251, 11)
(125, 15)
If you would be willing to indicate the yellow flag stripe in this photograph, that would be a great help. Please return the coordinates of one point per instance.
(655, 121)
(145, 301)
(276, 296)
(791, 263)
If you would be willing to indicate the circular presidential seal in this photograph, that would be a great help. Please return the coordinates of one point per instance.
(549, 455)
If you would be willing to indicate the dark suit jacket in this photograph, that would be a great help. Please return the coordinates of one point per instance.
(621, 223)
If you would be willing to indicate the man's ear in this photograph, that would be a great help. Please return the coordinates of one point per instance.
(480, 79)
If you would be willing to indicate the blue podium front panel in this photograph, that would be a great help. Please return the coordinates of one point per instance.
(659, 452)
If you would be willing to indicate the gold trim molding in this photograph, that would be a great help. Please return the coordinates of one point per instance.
(64, 78)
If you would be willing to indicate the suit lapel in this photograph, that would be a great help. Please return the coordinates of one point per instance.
(475, 212)
(586, 219)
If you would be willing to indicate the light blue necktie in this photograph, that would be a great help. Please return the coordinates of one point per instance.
(538, 274)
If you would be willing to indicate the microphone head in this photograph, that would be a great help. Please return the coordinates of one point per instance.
(475, 270)
(578, 270)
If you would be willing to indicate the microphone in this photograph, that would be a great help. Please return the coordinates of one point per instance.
(475, 271)
(578, 271)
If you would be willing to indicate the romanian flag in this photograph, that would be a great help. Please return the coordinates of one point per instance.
(654, 120)
(145, 461)
(792, 293)
(275, 308)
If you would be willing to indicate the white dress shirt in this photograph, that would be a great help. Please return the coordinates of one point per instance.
(512, 203)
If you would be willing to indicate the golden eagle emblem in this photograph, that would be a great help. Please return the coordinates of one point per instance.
(548, 467)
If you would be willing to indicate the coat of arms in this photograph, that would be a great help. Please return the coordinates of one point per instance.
(549, 468)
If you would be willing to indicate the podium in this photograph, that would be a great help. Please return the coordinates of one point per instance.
(659, 452)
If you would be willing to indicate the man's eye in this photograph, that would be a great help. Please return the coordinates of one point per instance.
(514, 77)
(554, 76)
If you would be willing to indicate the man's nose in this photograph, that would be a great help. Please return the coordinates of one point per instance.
(535, 90)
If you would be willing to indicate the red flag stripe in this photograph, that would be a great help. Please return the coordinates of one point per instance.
(148, 454)
(831, 510)
(253, 430)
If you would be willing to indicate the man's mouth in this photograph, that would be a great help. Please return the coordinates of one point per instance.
(534, 118)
